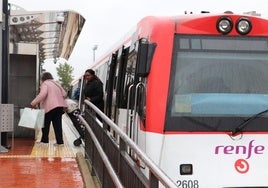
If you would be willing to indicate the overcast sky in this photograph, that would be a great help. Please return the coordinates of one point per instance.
(108, 20)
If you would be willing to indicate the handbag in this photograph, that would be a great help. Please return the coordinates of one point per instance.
(71, 105)
(32, 118)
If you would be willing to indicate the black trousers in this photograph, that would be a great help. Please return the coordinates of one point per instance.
(54, 116)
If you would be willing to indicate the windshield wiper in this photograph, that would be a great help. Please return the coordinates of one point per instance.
(247, 121)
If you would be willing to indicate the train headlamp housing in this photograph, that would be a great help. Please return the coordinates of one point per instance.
(186, 169)
(243, 26)
(224, 25)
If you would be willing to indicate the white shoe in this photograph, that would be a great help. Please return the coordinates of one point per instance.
(41, 143)
(58, 144)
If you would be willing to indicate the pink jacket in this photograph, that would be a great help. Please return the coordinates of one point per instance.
(51, 95)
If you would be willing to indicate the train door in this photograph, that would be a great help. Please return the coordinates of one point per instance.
(117, 100)
(129, 92)
(134, 93)
(114, 110)
(142, 58)
(127, 89)
(121, 88)
(110, 85)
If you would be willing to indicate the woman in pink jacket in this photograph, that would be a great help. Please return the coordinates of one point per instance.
(52, 100)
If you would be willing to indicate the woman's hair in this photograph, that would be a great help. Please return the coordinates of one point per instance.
(46, 76)
(90, 71)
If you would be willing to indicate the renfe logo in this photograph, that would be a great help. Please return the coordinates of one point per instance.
(247, 150)
(241, 166)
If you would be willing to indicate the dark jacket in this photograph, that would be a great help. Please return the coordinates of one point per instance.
(94, 90)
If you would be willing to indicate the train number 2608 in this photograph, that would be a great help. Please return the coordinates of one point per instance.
(188, 184)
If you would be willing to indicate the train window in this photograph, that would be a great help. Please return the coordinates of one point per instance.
(141, 105)
(115, 82)
(129, 80)
(230, 78)
(107, 78)
(184, 43)
(196, 44)
(223, 81)
(109, 84)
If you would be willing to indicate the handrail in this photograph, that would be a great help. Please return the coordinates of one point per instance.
(102, 154)
(135, 130)
(129, 115)
(164, 179)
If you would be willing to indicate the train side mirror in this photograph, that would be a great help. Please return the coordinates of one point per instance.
(144, 58)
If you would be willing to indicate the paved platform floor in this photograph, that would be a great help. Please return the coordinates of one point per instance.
(39, 173)
(41, 166)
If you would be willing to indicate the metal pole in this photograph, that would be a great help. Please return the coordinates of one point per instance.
(95, 47)
(5, 62)
(93, 56)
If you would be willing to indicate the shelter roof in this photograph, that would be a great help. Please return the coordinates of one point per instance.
(54, 32)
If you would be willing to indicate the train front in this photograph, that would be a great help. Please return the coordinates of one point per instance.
(216, 123)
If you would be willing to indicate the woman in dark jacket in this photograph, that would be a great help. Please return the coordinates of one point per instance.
(93, 90)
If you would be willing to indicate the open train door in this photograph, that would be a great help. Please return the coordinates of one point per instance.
(116, 85)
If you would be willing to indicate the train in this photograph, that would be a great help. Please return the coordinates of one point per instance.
(191, 91)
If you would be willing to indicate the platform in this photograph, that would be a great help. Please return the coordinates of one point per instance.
(30, 165)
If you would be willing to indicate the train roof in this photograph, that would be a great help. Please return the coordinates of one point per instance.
(147, 22)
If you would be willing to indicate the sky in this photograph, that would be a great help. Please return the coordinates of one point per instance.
(109, 20)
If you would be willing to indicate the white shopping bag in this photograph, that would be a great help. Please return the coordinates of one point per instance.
(32, 118)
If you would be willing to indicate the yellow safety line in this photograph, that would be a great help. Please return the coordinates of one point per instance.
(49, 150)
(16, 156)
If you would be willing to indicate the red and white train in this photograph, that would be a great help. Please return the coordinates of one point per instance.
(192, 92)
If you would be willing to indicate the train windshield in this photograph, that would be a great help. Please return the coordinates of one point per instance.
(216, 79)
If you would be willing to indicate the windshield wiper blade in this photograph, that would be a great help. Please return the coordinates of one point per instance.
(247, 121)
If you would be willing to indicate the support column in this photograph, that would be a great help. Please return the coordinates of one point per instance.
(5, 62)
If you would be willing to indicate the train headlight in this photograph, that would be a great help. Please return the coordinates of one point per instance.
(224, 25)
(243, 26)
(186, 169)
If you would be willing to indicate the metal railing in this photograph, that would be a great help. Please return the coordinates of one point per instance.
(110, 160)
